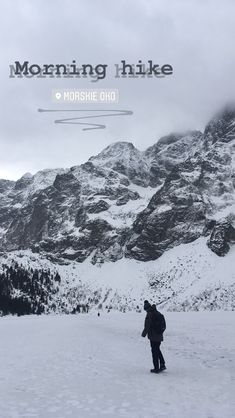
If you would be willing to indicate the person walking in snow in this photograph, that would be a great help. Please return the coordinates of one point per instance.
(154, 327)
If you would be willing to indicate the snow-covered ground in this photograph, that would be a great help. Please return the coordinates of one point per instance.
(87, 366)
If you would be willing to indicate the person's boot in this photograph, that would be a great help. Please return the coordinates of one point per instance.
(162, 367)
(154, 370)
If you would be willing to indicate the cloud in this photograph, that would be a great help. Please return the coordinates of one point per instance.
(195, 36)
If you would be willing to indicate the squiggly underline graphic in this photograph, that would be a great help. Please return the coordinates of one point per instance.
(72, 121)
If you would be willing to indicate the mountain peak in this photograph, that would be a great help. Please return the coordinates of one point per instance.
(116, 149)
(125, 159)
(169, 140)
(26, 176)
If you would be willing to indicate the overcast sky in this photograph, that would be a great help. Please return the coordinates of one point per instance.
(195, 36)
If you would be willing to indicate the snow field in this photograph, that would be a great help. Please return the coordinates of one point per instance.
(88, 366)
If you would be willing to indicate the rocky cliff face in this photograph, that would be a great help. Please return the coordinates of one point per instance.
(196, 194)
(127, 203)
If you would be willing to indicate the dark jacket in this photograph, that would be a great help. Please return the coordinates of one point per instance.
(154, 325)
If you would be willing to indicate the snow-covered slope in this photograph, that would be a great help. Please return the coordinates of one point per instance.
(187, 277)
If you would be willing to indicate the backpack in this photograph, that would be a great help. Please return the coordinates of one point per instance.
(159, 323)
(162, 324)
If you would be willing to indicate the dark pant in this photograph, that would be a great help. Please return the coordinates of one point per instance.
(158, 359)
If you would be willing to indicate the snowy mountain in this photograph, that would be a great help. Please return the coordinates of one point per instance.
(126, 208)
